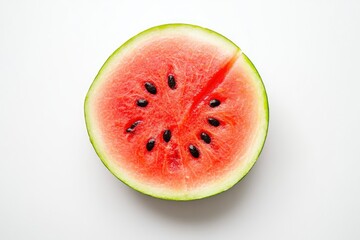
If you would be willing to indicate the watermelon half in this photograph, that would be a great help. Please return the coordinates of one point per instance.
(178, 112)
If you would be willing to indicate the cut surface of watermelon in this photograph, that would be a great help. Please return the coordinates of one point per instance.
(178, 112)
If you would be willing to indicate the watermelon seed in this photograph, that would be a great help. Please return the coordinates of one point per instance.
(214, 103)
(132, 127)
(194, 151)
(150, 144)
(171, 81)
(142, 102)
(206, 138)
(150, 88)
(214, 122)
(167, 135)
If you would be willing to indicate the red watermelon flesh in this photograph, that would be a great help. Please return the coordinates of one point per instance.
(161, 142)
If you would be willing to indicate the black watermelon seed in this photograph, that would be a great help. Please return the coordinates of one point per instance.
(206, 138)
(194, 151)
(214, 103)
(171, 82)
(150, 144)
(167, 135)
(142, 102)
(150, 88)
(214, 122)
(132, 127)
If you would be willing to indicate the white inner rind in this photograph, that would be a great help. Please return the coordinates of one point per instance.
(246, 161)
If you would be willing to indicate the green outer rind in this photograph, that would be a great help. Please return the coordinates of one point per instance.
(102, 155)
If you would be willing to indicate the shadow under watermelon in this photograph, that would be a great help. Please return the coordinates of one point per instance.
(207, 209)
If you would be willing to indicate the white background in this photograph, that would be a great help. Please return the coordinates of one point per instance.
(305, 185)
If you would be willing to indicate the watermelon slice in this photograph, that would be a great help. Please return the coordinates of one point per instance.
(178, 112)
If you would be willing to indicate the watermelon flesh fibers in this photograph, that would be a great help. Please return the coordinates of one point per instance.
(178, 112)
